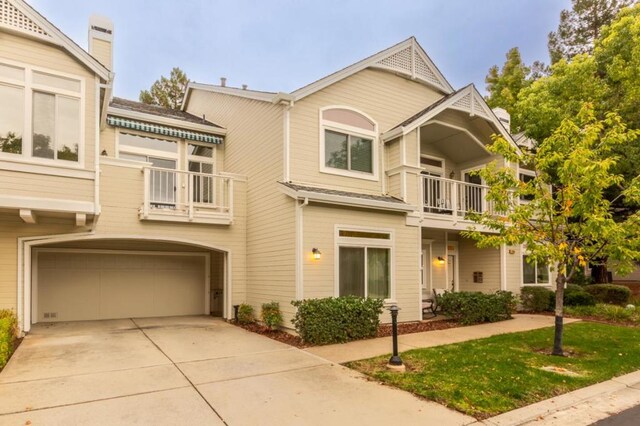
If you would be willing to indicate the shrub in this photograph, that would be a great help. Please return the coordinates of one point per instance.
(475, 307)
(337, 319)
(610, 293)
(245, 314)
(536, 299)
(8, 335)
(574, 295)
(581, 278)
(605, 312)
(271, 315)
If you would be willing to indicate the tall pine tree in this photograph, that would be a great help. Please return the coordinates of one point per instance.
(167, 92)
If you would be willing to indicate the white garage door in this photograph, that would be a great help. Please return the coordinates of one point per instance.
(72, 285)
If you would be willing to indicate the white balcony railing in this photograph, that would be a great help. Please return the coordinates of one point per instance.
(188, 195)
(452, 197)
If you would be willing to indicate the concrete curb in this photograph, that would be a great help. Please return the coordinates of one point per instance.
(581, 407)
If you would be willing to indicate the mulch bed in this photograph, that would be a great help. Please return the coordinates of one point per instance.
(384, 330)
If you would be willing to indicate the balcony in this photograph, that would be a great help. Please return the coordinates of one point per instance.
(444, 198)
(180, 196)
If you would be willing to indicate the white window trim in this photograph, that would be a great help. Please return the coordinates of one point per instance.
(146, 151)
(433, 169)
(364, 243)
(354, 131)
(27, 137)
(195, 158)
(527, 172)
(523, 253)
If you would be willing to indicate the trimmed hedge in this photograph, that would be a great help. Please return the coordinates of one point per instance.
(271, 315)
(8, 335)
(575, 295)
(337, 319)
(536, 299)
(610, 293)
(469, 307)
(245, 314)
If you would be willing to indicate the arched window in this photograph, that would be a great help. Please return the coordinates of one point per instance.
(348, 143)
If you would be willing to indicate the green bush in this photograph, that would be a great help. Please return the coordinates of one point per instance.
(8, 335)
(271, 315)
(245, 314)
(536, 299)
(475, 307)
(337, 319)
(575, 295)
(609, 293)
(606, 312)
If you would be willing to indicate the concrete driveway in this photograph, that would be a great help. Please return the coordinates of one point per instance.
(190, 370)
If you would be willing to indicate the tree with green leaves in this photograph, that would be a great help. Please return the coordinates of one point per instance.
(567, 221)
(167, 92)
(580, 27)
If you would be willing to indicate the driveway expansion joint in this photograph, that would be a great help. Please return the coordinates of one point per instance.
(181, 372)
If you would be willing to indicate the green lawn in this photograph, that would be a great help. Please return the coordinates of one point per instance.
(489, 376)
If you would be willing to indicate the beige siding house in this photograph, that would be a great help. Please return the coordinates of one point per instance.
(356, 184)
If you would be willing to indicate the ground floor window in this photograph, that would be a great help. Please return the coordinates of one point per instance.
(364, 264)
(535, 272)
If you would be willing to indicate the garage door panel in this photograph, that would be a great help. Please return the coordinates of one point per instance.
(126, 294)
(68, 294)
(91, 285)
(181, 286)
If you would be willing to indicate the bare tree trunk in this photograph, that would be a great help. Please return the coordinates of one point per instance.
(557, 340)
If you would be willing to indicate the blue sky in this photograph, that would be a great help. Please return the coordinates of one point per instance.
(280, 45)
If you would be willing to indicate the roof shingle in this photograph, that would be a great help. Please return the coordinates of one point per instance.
(129, 105)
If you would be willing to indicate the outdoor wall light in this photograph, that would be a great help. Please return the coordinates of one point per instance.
(440, 260)
(316, 253)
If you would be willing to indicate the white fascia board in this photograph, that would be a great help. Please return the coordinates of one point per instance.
(59, 38)
(435, 68)
(346, 201)
(166, 121)
(46, 204)
(242, 93)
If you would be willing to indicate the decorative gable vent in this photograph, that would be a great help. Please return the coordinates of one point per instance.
(411, 61)
(464, 103)
(479, 108)
(10, 16)
(401, 61)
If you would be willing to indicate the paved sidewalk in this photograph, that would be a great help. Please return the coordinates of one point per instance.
(364, 349)
(578, 408)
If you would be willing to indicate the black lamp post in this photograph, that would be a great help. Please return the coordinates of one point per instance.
(395, 360)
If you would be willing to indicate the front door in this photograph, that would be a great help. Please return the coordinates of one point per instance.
(451, 272)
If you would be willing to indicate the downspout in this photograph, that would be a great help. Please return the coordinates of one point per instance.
(286, 116)
(299, 249)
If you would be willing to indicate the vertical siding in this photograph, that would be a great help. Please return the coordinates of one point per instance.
(319, 231)
(388, 98)
(254, 147)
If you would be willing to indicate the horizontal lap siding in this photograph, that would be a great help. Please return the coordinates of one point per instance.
(44, 186)
(473, 259)
(122, 194)
(254, 147)
(319, 231)
(387, 98)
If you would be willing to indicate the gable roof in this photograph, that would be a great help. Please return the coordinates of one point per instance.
(467, 99)
(18, 16)
(406, 58)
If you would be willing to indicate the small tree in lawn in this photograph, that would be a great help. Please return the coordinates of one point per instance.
(567, 220)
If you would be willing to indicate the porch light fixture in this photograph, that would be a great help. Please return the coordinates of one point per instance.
(452, 174)
(316, 253)
(440, 260)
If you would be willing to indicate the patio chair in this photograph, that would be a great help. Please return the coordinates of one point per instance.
(431, 304)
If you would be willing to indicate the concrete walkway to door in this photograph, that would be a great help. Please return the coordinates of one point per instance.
(190, 370)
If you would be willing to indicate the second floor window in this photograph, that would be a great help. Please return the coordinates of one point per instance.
(348, 143)
(48, 103)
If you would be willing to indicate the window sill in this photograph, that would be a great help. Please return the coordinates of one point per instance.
(347, 173)
(45, 168)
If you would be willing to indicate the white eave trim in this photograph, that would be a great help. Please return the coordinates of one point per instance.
(125, 113)
(60, 39)
(371, 61)
(242, 93)
(46, 204)
(346, 200)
